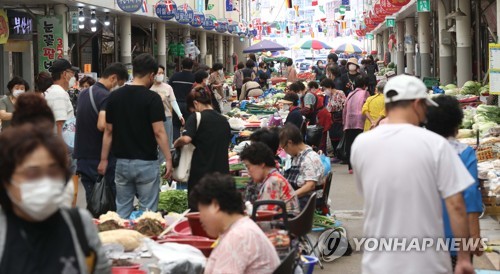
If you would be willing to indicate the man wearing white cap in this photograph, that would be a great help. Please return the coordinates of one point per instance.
(403, 171)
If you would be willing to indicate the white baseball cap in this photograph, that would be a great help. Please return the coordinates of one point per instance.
(407, 88)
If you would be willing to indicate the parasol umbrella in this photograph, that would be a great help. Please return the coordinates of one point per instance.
(312, 44)
(265, 45)
(348, 48)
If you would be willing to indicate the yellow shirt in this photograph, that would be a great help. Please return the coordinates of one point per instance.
(374, 107)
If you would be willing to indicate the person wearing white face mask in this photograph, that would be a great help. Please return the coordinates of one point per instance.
(63, 74)
(16, 87)
(169, 103)
(216, 82)
(37, 233)
(348, 79)
(91, 122)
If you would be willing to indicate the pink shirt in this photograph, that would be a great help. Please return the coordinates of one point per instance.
(353, 117)
(243, 249)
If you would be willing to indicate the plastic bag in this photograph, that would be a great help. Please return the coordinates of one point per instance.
(102, 198)
(177, 258)
(340, 150)
(314, 135)
(325, 160)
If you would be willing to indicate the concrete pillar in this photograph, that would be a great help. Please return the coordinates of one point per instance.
(220, 49)
(385, 44)
(464, 41)
(28, 65)
(380, 49)
(410, 45)
(446, 60)
(203, 46)
(230, 53)
(63, 11)
(424, 43)
(162, 44)
(125, 39)
(400, 47)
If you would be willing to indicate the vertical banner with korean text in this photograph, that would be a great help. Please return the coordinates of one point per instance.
(50, 40)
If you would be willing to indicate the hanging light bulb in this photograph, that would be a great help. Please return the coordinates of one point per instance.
(93, 19)
(81, 26)
(93, 28)
(81, 16)
(106, 19)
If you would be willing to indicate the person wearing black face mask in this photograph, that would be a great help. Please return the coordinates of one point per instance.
(135, 119)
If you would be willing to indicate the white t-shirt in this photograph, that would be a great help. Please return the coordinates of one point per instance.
(167, 96)
(403, 171)
(58, 100)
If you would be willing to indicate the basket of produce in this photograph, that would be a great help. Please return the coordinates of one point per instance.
(241, 182)
(237, 167)
(173, 201)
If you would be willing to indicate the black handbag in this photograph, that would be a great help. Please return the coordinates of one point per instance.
(314, 135)
(340, 150)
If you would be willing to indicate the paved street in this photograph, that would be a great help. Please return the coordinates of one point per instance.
(347, 206)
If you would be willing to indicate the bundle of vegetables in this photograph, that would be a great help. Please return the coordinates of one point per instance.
(323, 221)
(173, 201)
(485, 90)
(149, 227)
(471, 87)
(491, 113)
(468, 119)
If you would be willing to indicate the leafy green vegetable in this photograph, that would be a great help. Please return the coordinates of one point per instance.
(173, 201)
(237, 167)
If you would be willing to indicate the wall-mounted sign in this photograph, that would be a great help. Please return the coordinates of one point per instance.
(184, 14)
(4, 27)
(165, 9)
(222, 25)
(50, 40)
(390, 22)
(20, 25)
(233, 27)
(209, 23)
(129, 5)
(198, 19)
(73, 22)
(369, 36)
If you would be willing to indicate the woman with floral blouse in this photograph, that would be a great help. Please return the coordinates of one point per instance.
(335, 106)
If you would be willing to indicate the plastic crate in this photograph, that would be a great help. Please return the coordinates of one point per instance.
(431, 82)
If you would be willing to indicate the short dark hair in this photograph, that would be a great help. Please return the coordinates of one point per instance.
(293, 97)
(43, 81)
(241, 65)
(87, 79)
(217, 66)
(294, 87)
(161, 67)
(221, 188)
(333, 57)
(290, 133)
(16, 80)
(327, 83)
(200, 95)
(200, 75)
(360, 81)
(32, 108)
(269, 137)
(289, 62)
(18, 143)
(187, 63)
(313, 84)
(119, 69)
(398, 104)
(252, 57)
(262, 64)
(446, 118)
(144, 64)
(250, 63)
(301, 85)
(343, 62)
(258, 153)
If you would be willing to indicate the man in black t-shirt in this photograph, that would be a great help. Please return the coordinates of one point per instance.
(182, 84)
(90, 125)
(134, 130)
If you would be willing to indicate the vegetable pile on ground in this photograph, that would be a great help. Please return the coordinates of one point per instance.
(173, 201)
(323, 221)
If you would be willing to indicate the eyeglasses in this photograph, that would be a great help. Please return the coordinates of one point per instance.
(34, 173)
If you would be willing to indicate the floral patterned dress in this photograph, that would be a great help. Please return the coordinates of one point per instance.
(276, 187)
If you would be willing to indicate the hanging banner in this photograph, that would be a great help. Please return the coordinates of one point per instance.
(184, 14)
(242, 29)
(233, 27)
(222, 25)
(50, 40)
(229, 5)
(165, 9)
(198, 19)
(129, 5)
(4, 27)
(209, 23)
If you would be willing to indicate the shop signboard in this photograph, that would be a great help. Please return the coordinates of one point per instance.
(390, 22)
(209, 23)
(423, 5)
(4, 27)
(342, 10)
(222, 25)
(73, 22)
(50, 40)
(369, 36)
(198, 19)
(129, 6)
(233, 27)
(184, 14)
(165, 9)
(20, 25)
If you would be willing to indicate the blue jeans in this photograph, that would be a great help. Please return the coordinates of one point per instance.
(136, 177)
(169, 128)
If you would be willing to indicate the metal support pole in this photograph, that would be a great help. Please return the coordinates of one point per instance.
(424, 43)
(464, 41)
(400, 47)
(126, 39)
(410, 45)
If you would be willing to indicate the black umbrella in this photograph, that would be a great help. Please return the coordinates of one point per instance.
(265, 45)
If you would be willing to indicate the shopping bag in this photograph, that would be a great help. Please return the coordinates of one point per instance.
(327, 165)
(340, 150)
(314, 135)
(102, 198)
(181, 172)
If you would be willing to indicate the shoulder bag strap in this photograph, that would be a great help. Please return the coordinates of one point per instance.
(90, 256)
(92, 100)
(198, 120)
